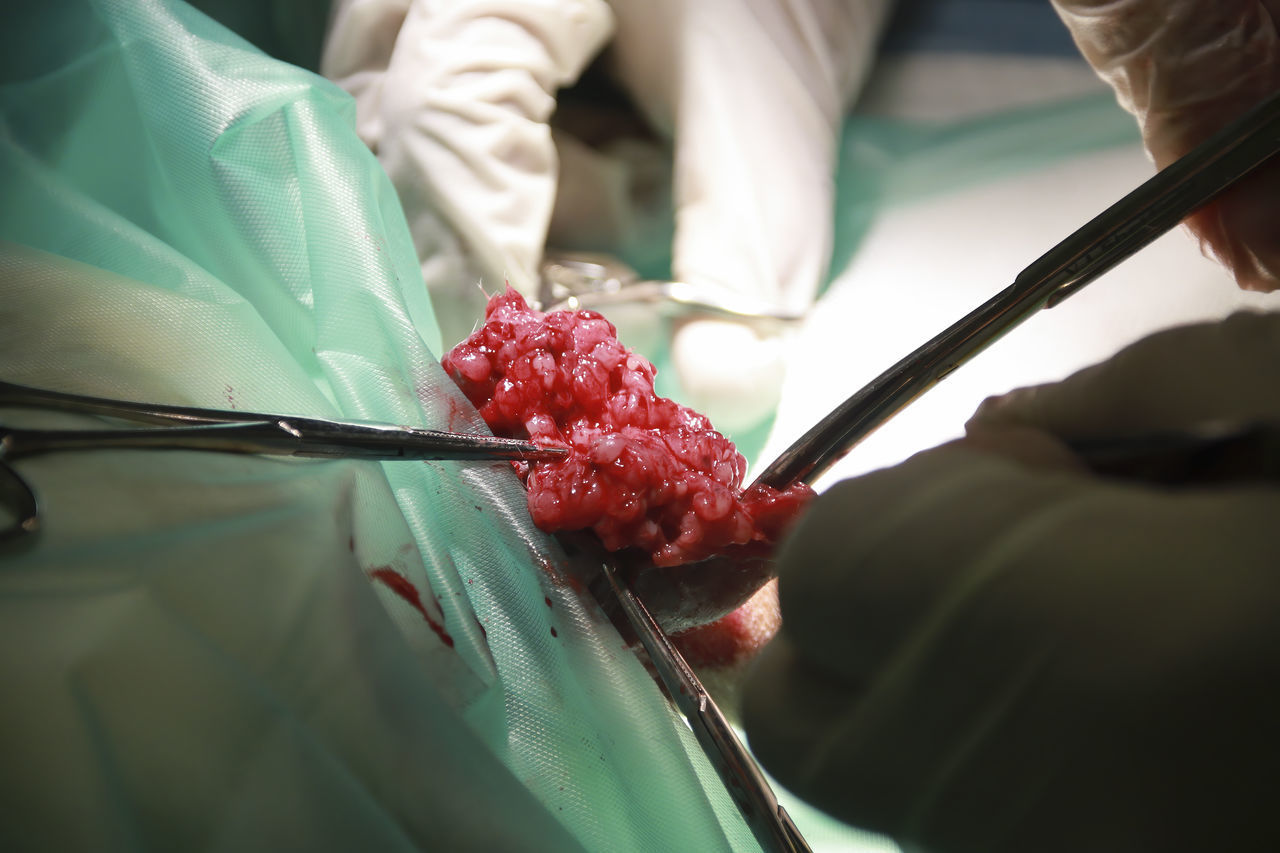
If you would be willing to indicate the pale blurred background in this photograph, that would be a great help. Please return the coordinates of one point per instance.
(981, 141)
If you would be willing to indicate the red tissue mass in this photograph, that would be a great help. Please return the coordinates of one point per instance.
(643, 471)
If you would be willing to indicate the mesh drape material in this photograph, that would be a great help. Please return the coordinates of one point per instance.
(224, 652)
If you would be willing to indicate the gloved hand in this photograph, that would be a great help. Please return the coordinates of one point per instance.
(1185, 68)
(995, 652)
(752, 95)
(454, 97)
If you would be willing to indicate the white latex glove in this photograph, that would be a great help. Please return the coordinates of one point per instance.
(454, 97)
(752, 95)
(1005, 652)
(1185, 68)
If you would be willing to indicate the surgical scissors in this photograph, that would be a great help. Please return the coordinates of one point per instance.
(188, 428)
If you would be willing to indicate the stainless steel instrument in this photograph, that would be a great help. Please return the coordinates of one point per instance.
(1130, 224)
(187, 428)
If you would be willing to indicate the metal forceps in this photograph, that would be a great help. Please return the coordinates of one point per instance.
(742, 777)
(1132, 223)
(187, 428)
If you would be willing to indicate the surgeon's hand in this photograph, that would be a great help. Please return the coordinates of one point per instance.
(988, 651)
(1185, 68)
(751, 95)
(454, 97)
